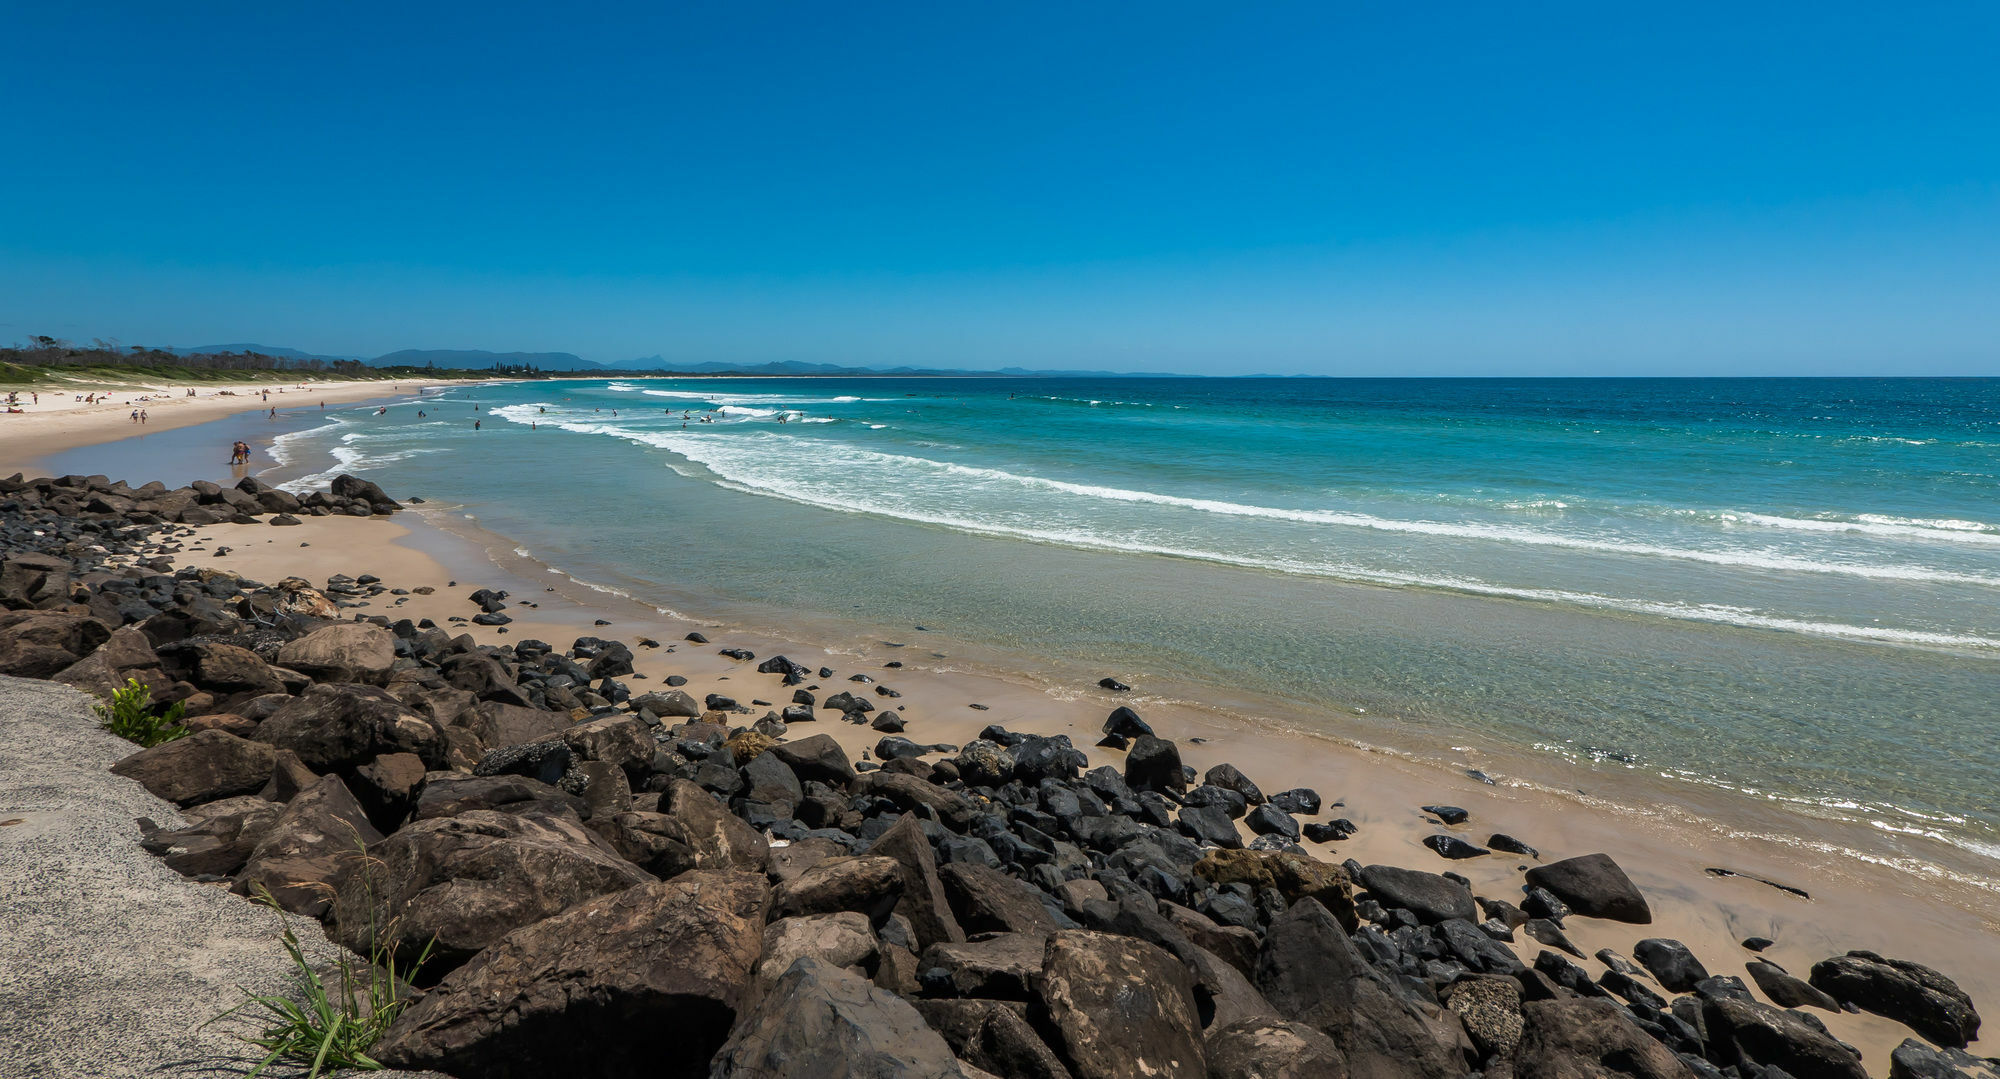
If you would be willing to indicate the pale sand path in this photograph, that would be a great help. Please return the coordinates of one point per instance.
(60, 422)
(1852, 906)
(109, 961)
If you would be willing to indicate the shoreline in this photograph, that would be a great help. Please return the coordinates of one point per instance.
(61, 423)
(1382, 793)
(1382, 790)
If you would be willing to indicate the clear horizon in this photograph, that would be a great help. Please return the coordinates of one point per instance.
(1559, 191)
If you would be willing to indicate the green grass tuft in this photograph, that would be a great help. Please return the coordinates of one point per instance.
(130, 716)
(321, 1027)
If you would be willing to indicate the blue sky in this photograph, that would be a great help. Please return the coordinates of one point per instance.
(1311, 188)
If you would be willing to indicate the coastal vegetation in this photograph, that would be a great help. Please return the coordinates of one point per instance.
(326, 1025)
(43, 361)
(130, 715)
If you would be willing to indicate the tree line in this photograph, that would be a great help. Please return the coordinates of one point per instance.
(44, 351)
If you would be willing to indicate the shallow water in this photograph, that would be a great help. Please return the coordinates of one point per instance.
(1782, 588)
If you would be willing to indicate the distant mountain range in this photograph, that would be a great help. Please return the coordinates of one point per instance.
(477, 359)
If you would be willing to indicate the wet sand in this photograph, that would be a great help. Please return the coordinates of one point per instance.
(1852, 904)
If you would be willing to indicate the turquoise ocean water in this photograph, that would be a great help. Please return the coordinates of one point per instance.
(1783, 588)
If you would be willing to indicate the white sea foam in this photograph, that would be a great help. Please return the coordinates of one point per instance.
(805, 472)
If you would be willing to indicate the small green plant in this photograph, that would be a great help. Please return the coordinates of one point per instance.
(326, 1028)
(130, 716)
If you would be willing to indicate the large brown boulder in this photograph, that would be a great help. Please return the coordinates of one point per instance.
(622, 740)
(994, 1035)
(321, 838)
(337, 726)
(37, 644)
(1915, 995)
(225, 669)
(845, 940)
(870, 885)
(466, 881)
(985, 900)
(692, 830)
(821, 1021)
(200, 768)
(923, 901)
(28, 580)
(218, 838)
(346, 652)
(447, 794)
(498, 724)
(1310, 971)
(1120, 1008)
(124, 655)
(647, 981)
(1267, 1047)
(1589, 1039)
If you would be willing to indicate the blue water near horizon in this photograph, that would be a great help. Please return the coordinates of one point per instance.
(1782, 587)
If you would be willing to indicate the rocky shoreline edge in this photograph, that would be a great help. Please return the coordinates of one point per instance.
(613, 879)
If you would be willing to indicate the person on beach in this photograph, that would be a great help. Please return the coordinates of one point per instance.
(135, 415)
(274, 413)
(142, 416)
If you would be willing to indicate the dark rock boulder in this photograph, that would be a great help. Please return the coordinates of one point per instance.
(819, 1020)
(1309, 970)
(1154, 764)
(1295, 876)
(994, 1036)
(464, 882)
(333, 727)
(671, 704)
(1453, 848)
(1125, 722)
(1743, 1032)
(867, 885)
(1915, 1060)
(1272, 1048)
(923, 901)
(218, 838)
(1914, 995)
(1297, 800)
(320, 838)
(999, 966)
(498, 725)
(225, 669)
(447, 794)
(1785, 990)
(37, 644)
(346, 652)
(1670, 962)
(610, 975)
(1592, 885)
(984, 764)
(1589, 1039)
(1119, 1008)
(201, 767)
(816, 759)
(1228, 777)
(1429, 896)
(691, 830)
(985, 900)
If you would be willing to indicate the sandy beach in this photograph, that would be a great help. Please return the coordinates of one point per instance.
(1849, 906)
(55, 417)
(1844, 906)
